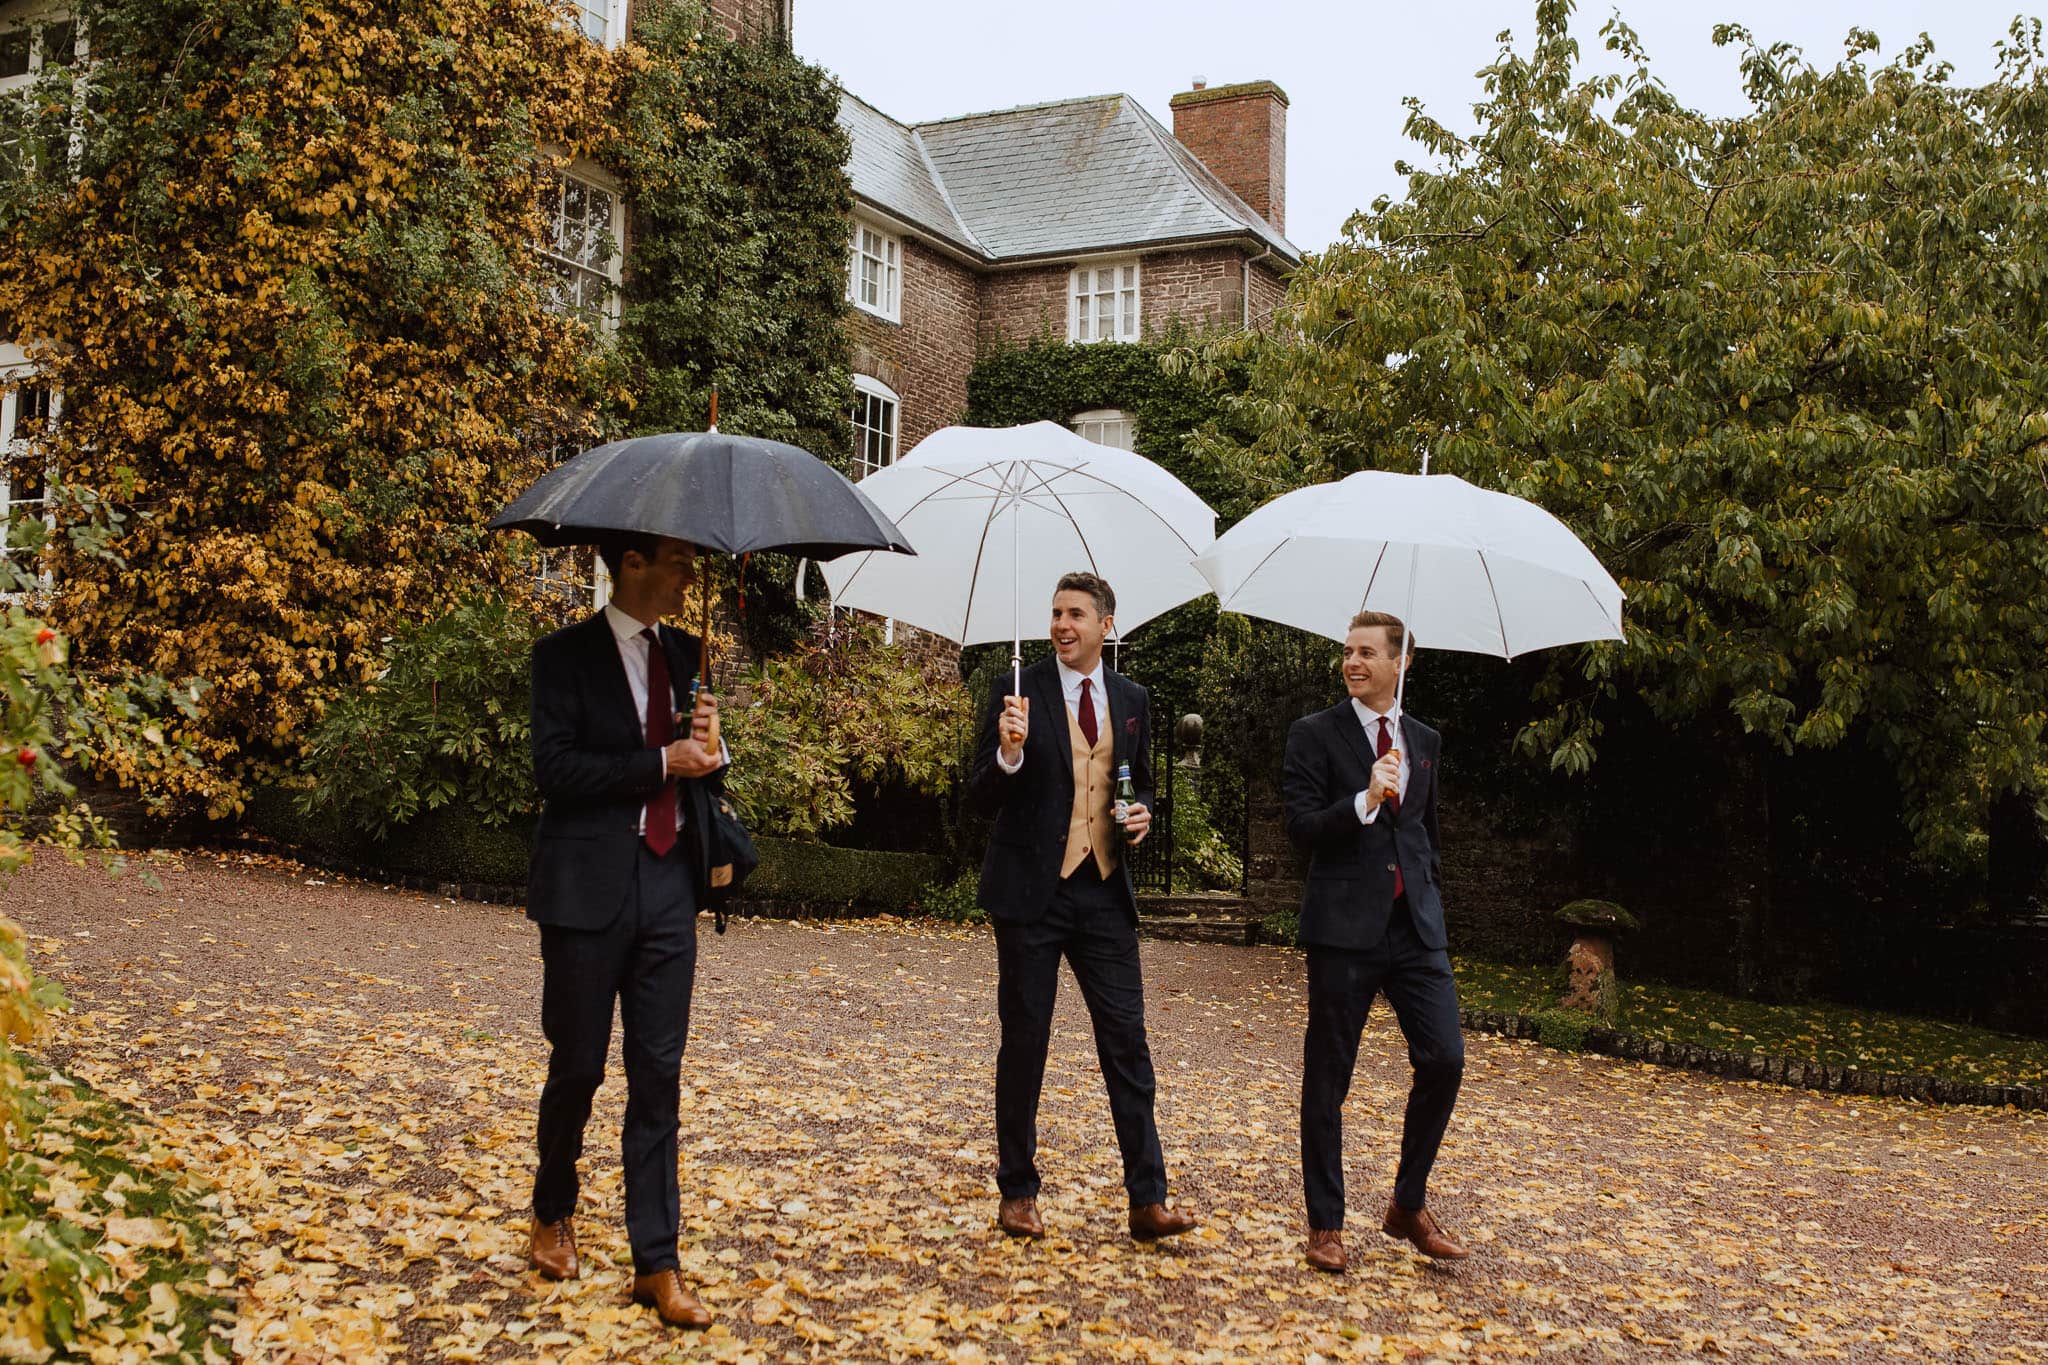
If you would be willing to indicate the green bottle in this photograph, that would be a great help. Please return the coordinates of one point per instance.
(1126, 796)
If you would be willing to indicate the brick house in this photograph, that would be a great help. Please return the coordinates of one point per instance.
(1083, 219)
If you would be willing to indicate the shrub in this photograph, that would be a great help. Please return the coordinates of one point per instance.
(1203, 860)
(445, 722)
(1282, 927)
(953, 901)
(1564, 1030)
(814, 720)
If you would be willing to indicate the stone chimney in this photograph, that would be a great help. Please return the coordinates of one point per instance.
(1240, 133)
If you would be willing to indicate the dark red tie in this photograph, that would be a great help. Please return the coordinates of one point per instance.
(1086, 715)
(661, 807)
(1392, 800)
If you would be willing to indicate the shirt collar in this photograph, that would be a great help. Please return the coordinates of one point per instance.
(1368, 717)
(1070, 681)
(624, 627)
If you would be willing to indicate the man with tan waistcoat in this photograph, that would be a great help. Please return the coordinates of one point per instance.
(1054, 884)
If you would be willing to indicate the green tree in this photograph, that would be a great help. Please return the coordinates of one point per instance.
(733, 158)
(285, 277)
(1784, 371)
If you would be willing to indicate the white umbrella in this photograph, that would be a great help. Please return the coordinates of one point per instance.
(1464, 568)
(999, 513)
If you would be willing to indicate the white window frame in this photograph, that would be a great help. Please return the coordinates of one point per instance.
(1112, 427)
(868, 389)
(37, 23)
(609, 16)
(571, 251)
(1085, 290)
(13, 446)
(874, 244)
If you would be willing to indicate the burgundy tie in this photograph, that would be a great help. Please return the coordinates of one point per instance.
(1086, 715)
(661, 807)
(1392, 800)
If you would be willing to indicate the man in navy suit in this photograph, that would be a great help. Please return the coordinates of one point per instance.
(1363, 803)
(619, 869)
(1055, 884)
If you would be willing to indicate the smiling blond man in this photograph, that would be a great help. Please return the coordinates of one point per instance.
(1361, 799)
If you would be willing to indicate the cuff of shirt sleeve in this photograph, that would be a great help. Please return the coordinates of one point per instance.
(1005, 763)
(1366, 814)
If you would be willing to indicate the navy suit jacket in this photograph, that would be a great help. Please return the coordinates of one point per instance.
(1350, 891)
(596, 770)
(1034, 806)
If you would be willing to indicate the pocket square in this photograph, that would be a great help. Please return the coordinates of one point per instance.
(1130, 725)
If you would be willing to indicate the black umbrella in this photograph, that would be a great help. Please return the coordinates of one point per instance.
(720, 492)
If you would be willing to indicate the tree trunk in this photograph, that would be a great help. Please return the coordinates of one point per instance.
(1743, 811)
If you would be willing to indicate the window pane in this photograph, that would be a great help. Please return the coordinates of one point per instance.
(59, 40)
(14, 52)
(1130, 331)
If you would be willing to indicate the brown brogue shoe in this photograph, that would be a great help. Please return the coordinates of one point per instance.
(665, 1292)
(551, 1248)
(1326, 1250)
(1419, 1229)
(1150, 1222)
(1019, 1218)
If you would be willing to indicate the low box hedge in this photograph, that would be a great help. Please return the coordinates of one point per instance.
(450, 845)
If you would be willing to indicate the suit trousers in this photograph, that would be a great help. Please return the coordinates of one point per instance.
(1341, 986)
(1087, 924)
(646, 961)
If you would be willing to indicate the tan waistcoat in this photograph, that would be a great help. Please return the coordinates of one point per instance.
(1089, 828)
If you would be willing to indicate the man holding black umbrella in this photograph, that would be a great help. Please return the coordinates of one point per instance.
(619, 870)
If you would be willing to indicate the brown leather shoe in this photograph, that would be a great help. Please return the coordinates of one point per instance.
(1326, 1250)
(1418, 1228)
(1019, 1218)
(665, 1292)
(551, 1248)
(1149, 1222)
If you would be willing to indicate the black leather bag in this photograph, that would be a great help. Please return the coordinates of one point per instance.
(733, 859)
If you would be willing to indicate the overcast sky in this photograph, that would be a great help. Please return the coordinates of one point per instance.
(1345, 64)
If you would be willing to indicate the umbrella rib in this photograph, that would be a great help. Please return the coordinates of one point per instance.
(980, 549)
(1601, 607)
(1113, 488)
(1246, 581)
(1493, 595)
(1375, 577)
(951, 481)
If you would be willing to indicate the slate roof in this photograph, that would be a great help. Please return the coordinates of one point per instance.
(1094, 174)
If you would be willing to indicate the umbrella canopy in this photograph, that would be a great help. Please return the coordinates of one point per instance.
(721, 492)
(1464, 567)
(999, 513)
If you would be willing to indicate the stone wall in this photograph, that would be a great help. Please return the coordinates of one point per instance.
(926, 356)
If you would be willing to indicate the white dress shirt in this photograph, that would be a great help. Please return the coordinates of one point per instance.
(633, 647)
(1370, 719)
(1070, 687)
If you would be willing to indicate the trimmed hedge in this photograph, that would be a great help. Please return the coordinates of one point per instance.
(449, 845)
(821, 874)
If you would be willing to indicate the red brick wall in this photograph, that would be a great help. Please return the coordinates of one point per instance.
(1203, 288)
(926, 357)
(1020, 306)
(1240, 133)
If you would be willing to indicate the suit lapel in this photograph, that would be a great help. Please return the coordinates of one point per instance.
(1115, 710)
(610, 669)
(1420, 771)
(1345, 717)
(1052, 699)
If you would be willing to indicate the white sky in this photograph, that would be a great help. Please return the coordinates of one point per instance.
(1344, 65)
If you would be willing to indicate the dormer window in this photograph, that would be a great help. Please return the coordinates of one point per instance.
(1103, 302)
(874, 274)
